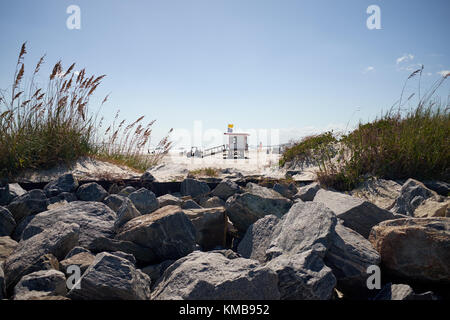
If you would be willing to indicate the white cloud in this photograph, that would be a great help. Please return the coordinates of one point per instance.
(405, 58)
(444, 73)
(369, 69)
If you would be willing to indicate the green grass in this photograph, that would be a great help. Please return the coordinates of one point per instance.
(42, 126)
(397, 145)
(208, 172)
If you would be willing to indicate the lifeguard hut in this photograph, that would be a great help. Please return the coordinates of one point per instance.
(237, 147)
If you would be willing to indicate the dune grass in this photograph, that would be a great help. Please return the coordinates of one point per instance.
(204, 172)
(400, 144)
(41, 127)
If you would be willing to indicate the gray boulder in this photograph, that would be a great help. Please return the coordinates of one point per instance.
(284, 190)
(42, 283)
(349, 257)
(112, 277)
(125, 192)
(358, 214)
(306, 226)
(125, 213)
(91, 192)
(303, 276)
(211, 226)
(212, 202)
(155, 271)
(212, 276)
(144, 200)
(29, 203)
(10, 191)
(246, 208)
(441, 187)
(308, 192)
(190, 204)
(147, 177)
(7, 222)
(114, 201)
(194, 188)
(225, 189)
(412, 194)
(168, 232)
(58, 241)
(168, 199)
(7, 246)
(94, 218)
(64, 183)
(257, 238)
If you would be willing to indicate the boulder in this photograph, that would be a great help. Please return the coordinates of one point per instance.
(114, 201)
(155, 271)
(91, 191)
(147, 177)
(432, 208)
(284, 190)
(257, 238)
(415, 248)
(358, 214)
(142, 254)
(212, 202)
(10, 191)
(225, 189)
(308, 192)
(94, 218)
(41, 284)
(168, 199)
(442, 188)
(349, 257)
(303, 276)
(7, 246)
(58, 241)
(144, 200)
(112, 277)
(82, 260)
(305, 227)
(380, 192)
(29, 203)
(7, 222)
(212, 276)
(63, 196)
(412, 194)
(168, 232)
(402, 292)
(211, 226)
(194, 188)
(125, 213)
(125, 192)
(64, 183)
(190, 204)
(246, 208)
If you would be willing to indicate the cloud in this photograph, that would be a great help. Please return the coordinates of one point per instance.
(444, 73)
(405, 58)
(369, 69)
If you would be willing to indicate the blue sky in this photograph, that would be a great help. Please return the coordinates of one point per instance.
(293, 65)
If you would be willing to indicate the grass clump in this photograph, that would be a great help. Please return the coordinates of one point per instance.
(41, 127)
(204, 172)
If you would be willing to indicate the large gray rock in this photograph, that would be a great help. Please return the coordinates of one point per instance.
(112, 277)
(7, 246)
(306, 226)
(168, 199)
(380, 192)
(246, 208)
(257, 238)
(144, 200)
(64, 183)
(415, 248)
(225, 189)
(142, 254)
(94, 218)
(125, 213)
(211, 226)
(349, 257)
(190, 204)
(212, 202)
(7, 222)
(125, 192)
(358, 214)
(58, 241)
(9, 191)
(29, 203)
(412, 194)
(308, 192)
(42, 283)
(194, 188)
(114, 201)
(303, 276)
(284, 190)
(168, 232)
(91, 191)
(212, 276)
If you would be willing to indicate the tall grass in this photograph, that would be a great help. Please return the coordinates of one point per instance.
(399, 144)
(41, 127)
